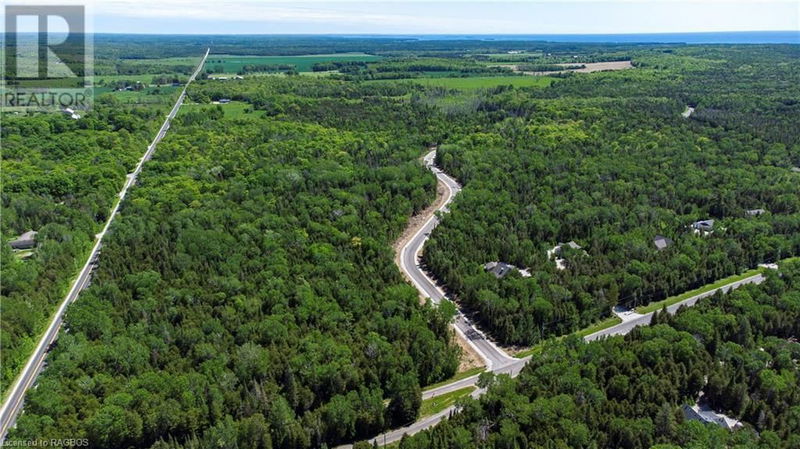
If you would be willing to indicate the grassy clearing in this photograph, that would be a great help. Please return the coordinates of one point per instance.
(304, 63)
(596, 327)
(486, 82)
(234, 109)
(187, 60)
(151, 95)
(145, 78)
(706, 288)
(437, 404)
(457, 377)
(600, 325)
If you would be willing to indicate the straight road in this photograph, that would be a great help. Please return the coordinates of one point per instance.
(644, 320)
(14, 401)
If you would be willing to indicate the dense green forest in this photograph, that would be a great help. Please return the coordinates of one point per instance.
(60, 177)
(246, 294)
(739, 349)
(609, 162)
(247, 291)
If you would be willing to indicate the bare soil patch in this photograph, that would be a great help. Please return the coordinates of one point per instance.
(469, 358)
(602, 66)
(589, 67)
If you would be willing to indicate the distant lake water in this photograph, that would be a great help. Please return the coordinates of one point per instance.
(732, 37)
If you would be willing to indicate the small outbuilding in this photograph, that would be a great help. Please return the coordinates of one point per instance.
(25, 241)
(755, 212)
(662, 242)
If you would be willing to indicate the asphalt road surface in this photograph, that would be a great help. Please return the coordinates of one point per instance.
(409, 263)
(15, 398)
(644, 320)
(497, 361)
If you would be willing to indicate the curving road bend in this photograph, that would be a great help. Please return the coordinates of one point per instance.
(27, 377)
(497, 361)
(409, 263)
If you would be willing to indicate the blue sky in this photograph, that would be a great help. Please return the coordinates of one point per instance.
(446, 17)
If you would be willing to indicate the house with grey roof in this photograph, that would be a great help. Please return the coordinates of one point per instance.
(705, 414)
(755, 212)
(662, 242)
(703, 227)
(498, 269)
(502, 269)
(25, 241)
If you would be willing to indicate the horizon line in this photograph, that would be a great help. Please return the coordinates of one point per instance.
(144, 33)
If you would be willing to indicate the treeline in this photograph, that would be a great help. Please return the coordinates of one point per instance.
(60, 177)
(548, 67)
(414, 67)
(607, 161)
(738, 351)
(367, 107)
(247, 295)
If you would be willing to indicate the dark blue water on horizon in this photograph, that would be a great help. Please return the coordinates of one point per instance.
(726, 37)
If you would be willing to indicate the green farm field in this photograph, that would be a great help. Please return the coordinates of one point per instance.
(304, 63)
(150, 95)
(146, 78)
(234, 109)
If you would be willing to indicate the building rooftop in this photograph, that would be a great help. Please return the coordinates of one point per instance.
(502, 269)
(25, 241)
(662, 242)
(703, 413)
(703, 224)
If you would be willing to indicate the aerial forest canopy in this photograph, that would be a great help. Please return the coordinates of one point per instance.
(60, 178)
(249, 284)
(609, 161)
(739, 350)
(246, 294)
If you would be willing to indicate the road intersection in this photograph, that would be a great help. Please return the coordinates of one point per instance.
(497, 360)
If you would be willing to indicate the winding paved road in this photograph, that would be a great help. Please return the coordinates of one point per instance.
(496, 359)
(27, 377)
(409, 263)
